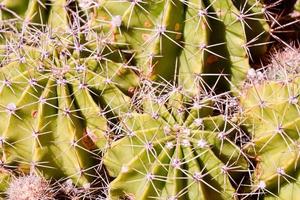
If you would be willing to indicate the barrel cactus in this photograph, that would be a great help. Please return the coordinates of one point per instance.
(146, 88)
(270, 104)
(174, 147)
(176, 38)
(55, 102)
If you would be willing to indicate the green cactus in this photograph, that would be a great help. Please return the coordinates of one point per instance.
(55, 105)
(270, 104)
(60, 16)
(55, 13)
(272, 117)
(171, 38)
(175, 149)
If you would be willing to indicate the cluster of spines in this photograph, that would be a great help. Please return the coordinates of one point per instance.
(35, 187)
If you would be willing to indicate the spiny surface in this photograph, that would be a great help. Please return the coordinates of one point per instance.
(271, 114)
(55, 13)
(56, 96)
(174, 147)
(184, 38)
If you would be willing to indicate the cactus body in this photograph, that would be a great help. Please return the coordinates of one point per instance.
(5, 179)
(137, 81)
(53, 106)
(271, 114)
(55, 13)
(185, 38)
(174, 152)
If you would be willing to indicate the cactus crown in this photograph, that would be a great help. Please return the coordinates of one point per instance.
(175, 146)
(30, 187)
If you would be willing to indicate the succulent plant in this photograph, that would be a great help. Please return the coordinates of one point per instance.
(61, 17)
(55, 13)
(175, 148)
(5, 179)
(148, 88)
(55, 104)
(171, 38)
(30, 187)
(271, 115)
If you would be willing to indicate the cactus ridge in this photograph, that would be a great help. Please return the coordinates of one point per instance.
(202, 37)
(55, 13)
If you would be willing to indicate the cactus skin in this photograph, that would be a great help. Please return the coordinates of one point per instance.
(203, 37)
(174, 149)
(59, 16)
(55, 13)
(53, 106)
(270, 104)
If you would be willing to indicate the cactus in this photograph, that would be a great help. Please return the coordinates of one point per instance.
(174, 148)
(142, 82)
(55, 104)
(30, 187)
(55, 13)
(283, 18)
(5, 179)
(206, 36)
(271, 115)
(284, 64)
(60, 16)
